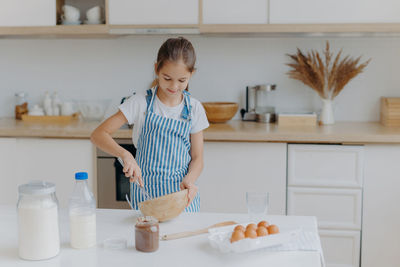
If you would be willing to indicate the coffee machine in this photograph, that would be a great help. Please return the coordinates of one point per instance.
(260, 103)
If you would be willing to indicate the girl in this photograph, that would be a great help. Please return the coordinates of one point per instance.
(167, 129)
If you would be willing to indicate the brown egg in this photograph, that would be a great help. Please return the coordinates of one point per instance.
(273, 229)
(262, 231)
(251, 226)
(239, 228)
(237, 235)
(263, 223)
(250, 233)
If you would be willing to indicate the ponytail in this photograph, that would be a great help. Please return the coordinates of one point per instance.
(154, 83)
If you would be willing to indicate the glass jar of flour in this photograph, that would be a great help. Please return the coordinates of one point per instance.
(38, 231)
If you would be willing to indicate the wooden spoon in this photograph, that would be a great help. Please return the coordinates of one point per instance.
(197, 232)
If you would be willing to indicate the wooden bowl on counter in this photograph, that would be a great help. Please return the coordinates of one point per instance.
(166, 207)
(218, 112)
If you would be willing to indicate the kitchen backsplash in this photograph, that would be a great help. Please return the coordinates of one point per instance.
(113, 68)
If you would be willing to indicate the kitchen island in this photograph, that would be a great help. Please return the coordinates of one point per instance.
(191, 251)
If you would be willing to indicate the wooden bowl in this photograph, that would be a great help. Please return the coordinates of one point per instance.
(220, 111)
(166, 207)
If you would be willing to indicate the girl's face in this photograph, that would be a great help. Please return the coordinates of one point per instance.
(173, 78)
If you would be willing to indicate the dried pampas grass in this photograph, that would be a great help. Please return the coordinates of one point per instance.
(326, 78)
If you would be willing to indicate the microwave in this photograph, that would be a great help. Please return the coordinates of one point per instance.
(112, 184)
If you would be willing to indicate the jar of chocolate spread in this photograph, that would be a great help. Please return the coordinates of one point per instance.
(146, 234)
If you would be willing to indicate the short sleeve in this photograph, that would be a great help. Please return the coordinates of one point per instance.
(199, 118)
(133, 107)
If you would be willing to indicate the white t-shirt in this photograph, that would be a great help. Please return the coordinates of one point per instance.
(135, 107)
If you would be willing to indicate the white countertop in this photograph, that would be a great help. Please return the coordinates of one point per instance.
(191, 251)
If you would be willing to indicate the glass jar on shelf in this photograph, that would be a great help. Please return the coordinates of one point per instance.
(21, 105)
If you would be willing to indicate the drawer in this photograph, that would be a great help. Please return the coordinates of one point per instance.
(28, 13)
(325, 165)
(334, 208)
(341, 248)
(139, 12)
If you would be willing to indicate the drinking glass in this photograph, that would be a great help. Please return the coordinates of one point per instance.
(257, 205)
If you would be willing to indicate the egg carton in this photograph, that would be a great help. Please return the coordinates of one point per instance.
(219, 238)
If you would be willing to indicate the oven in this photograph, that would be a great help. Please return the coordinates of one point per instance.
(112, 185)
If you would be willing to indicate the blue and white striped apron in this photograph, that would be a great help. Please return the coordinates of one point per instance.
(163, 153)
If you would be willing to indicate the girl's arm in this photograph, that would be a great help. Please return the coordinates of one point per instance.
(101, 137)
(195, 165)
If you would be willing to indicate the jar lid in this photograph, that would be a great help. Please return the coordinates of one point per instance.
(81, 176)
(146, 220)
(37, 188)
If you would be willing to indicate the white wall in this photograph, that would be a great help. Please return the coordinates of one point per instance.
(112, 68)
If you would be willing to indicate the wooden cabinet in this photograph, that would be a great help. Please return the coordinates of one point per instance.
(139, 12)
(53, 160)
(381, 213)
(326, 181)
(334, 11)
(235, 12)
(232, 168)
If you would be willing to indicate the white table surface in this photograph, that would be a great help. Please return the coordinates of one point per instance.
(191, 251)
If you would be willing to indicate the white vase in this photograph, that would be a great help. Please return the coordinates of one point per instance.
(327, 112)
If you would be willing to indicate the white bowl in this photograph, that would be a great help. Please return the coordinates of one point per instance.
(93, 110)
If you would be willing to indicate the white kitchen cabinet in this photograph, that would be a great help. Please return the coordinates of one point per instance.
(327, 181)
(28, 13)
(334, 208)
(232, 168)
(139, 12)
(341, 248)
(53, 160)
(8, 162)
(381, 213)
(235, 12)
(304, 158)
(334, 11)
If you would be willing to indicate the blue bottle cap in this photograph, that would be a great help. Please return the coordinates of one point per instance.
(81, 176)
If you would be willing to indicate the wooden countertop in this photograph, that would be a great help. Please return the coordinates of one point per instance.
(340, 132)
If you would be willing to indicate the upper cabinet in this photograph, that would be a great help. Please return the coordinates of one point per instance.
(150, 12)
(235, 11)
(27, 13)
(334, 11)
(19, 17)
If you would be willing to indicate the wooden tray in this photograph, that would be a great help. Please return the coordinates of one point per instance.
(51, 119)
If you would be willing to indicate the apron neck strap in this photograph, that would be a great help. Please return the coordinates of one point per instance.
(150, 98)
(187, 108)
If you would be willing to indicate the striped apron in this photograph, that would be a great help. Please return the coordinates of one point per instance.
(163, 153)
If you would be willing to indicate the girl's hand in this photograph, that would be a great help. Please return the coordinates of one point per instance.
(192, 190)
(131, 168)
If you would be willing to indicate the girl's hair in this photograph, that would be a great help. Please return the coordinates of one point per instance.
(173, 50)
